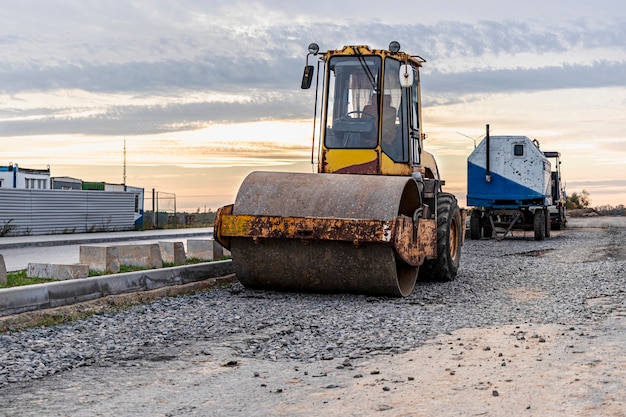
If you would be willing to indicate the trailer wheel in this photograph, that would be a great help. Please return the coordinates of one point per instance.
(539, 224)
(449, 241)
(546, 213)
(487, 229)
(475, 225)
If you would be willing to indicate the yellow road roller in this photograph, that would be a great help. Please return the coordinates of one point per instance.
(374, 218)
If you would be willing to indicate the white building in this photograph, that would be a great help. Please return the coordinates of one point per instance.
(12, 176)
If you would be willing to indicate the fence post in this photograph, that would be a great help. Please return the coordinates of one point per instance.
(155, 220)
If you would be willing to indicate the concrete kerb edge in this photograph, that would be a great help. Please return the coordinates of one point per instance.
(35, 297)
(97, 240)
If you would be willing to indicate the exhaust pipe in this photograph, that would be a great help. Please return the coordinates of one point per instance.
(487, 170)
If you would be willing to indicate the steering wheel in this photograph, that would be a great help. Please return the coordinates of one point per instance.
(364, 113)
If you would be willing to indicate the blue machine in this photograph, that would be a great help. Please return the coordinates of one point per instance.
(511, 184)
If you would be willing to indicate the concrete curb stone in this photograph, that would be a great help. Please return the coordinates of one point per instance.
(3, 271)
(17, 300)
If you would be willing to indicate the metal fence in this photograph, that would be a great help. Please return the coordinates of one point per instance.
(164, 205)
(39, 212)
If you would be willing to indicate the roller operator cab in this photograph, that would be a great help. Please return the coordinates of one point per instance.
(371, 119)
(374, 218)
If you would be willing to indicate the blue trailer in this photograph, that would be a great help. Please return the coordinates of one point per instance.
(511, 185)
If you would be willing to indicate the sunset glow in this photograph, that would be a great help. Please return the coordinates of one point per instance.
(202, 94)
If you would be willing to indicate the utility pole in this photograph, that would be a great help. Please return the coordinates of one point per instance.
(124, 180)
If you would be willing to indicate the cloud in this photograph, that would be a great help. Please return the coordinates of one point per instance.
(489, 81)
(157, 118)
(254, 54)
(92, 73)
(220, 54)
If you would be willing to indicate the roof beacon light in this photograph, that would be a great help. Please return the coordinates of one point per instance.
(394, 46)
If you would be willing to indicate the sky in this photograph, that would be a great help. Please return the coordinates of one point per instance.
(200, 93)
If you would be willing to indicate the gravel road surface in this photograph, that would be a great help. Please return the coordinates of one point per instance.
(528, 329)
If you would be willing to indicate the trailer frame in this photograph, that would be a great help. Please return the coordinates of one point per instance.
(490, 222)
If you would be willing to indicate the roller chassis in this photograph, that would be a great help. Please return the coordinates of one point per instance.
(425, 240)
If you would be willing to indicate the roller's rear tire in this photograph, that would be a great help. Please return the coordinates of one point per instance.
(449, 241)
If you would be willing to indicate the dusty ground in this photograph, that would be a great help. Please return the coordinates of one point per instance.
(515, 370)
(522, 369)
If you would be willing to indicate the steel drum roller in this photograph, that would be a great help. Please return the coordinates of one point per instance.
(323, 265)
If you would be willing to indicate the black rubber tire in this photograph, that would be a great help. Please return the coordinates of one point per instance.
(546, 213)
(475, 225)
(487, 229)
(449, 241)
(539, 225)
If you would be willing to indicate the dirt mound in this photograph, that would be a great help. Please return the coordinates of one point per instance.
(588, 212)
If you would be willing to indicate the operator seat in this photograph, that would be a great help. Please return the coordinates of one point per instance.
(372, 108)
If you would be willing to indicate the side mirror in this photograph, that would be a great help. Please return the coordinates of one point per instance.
(406, 76)
(307, 77)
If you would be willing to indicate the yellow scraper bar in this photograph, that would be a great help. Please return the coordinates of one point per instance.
(276, 227)
(412, 244)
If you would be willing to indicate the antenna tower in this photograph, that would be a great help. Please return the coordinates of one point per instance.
(124, 181)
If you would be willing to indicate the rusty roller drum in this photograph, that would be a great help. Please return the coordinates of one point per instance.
(323, 265)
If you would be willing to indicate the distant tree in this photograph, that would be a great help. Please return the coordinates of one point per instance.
(585, 200)
(571, 202)
(578, 201)
(609, 210)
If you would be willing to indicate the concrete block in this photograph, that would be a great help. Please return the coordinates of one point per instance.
(173, 252)
(123, 283)
(219, 251)
(74, 291)
(143, 256)
(205, 249)
(200, 249)
(3, 271)
(17, 300)
(100, 258)
(56, 271)
(199, 272)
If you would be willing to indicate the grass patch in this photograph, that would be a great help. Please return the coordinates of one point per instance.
(19, 278)
(123, 269)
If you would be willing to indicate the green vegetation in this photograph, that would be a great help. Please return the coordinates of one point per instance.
(123, 269)
(7, 228)
(578, 201)
(583, 201)
(56, 318)
(191, 261)
(19, 278)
